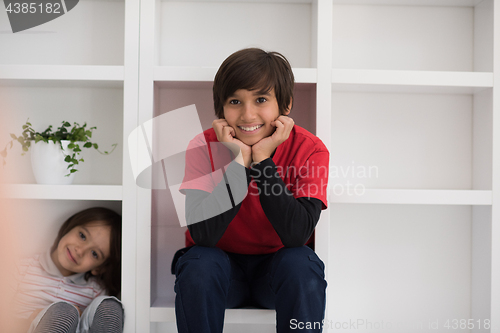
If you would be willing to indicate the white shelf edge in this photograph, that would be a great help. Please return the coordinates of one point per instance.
(261, 1)
(179, 73)
(451, 3)
(61, 192)
(62, 72)
(233, 316)
(446, 3)
(416, 197)
(458, 82)
(207, 74)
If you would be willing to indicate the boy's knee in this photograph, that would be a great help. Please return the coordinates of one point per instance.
(299, 264)
(204, 259)
(203, 264)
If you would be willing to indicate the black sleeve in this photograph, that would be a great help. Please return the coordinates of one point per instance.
(293, 219)
(206, 227)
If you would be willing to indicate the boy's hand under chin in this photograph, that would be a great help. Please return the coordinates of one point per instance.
(265, 147)
(225, 134)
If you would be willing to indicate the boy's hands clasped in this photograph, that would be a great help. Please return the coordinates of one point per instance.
(225, 134)
(260, 150)
(265, 147)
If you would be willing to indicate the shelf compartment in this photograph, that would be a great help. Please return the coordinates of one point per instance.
(61, 192)
(423, 256)
(415, 197)
(413, 35)
(163, 310)
(288, 28)
(69, 39)
(185, 73)
(410, 81)
(34, 224)
(412, 141)
(46, 105)
(166, 234)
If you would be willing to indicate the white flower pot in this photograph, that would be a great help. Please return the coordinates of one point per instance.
(47, 162)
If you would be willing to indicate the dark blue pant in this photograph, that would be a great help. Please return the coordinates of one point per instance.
(209, 280)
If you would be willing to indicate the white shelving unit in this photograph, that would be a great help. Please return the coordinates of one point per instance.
(404, 86)
(401, 91)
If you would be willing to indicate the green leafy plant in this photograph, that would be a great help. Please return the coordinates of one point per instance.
(78, 135)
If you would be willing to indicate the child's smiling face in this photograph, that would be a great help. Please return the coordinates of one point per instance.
(84, 248)
(250, 113)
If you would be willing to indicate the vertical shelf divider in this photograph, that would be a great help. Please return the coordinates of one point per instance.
(323, 119)
(495, 216)
(130, 122)
(147, 38)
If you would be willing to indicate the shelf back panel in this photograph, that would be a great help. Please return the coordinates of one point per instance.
(401, 264)
(92, 33)
(402, 141)
(404, 38)
(213, 31)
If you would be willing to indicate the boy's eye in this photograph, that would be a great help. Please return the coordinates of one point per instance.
(95, 255)
(234, 102)
(82, 236)
(261, 100)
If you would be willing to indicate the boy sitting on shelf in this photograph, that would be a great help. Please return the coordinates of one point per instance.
(249, 227)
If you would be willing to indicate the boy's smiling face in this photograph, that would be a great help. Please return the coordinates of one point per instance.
(250, 113)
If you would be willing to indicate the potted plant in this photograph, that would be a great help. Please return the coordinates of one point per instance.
(55, 155)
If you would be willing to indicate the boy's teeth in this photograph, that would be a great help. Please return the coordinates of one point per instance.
(248, 129)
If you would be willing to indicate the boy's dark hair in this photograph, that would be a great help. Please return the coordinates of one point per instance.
(253, 69)
(109, 276)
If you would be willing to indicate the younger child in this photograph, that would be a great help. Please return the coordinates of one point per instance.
(72, 286)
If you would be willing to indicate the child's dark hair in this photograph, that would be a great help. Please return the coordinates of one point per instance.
(253, 69)
(110, 271)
